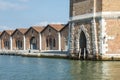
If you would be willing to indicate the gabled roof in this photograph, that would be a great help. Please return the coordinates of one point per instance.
(9, 32)
(22, 30)
(36, 28)
(56, 27)
(64, 26)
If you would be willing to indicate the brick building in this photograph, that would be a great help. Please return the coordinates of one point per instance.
(51, 38)
(94, 28)
(64, 37)
(33, 38)
(18, 39)
(6, 39)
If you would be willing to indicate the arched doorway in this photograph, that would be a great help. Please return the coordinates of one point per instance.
(83, 45)
(33, 43)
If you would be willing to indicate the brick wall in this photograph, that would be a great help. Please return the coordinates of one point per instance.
(48, 31)
(5, 37)
(80, 7)
(17, 36)
(64, 38)
(31, 33)
(110, 5)
(113, 32)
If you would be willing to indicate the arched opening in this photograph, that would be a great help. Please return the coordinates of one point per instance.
(18, 44)
(83, 45)
(6, 44)
(33, 43)
(50, 42)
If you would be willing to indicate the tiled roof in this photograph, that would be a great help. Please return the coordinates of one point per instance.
(9, 31)
(38, 28)
(22, 30)
(66, 25)
(57, 27)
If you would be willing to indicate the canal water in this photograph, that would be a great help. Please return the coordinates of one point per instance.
(24, 68)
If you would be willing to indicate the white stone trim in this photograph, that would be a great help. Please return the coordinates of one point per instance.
(40, 41)
(59, 39)
(103, 37)
(111, 37)
(98, 14)
(69, 37)
(111, 55)
(24, 43)
(72, 37)
(11, 46)
(94, 37)
(82, 28)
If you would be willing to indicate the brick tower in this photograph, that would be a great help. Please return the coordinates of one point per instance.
(94, 29)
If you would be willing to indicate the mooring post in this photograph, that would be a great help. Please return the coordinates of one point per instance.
(84, 53)
(79, 53)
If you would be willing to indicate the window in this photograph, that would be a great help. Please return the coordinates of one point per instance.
(54, 42)
(49, 30)
(18, 44)
(32, 31)
(47, 42)
(6, 44)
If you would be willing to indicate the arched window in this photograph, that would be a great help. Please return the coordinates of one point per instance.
(54, 42)
(50, 42)
(6, 44)
(47, 42)
(19, 44)
(33, 43)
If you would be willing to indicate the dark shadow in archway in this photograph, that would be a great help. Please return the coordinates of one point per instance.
(83, 48)
(33, 43)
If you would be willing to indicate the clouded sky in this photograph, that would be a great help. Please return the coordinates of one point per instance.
(26, 13)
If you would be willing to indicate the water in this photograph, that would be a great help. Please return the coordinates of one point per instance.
(24, 68)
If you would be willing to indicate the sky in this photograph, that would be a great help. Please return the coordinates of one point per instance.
(26, 13)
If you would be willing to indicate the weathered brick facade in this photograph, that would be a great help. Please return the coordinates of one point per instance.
(79, 7)
(51, 37)
(6, 39)
(99, 22)
(64, 37)
(33, 38)
(113, 32)
(18, 39)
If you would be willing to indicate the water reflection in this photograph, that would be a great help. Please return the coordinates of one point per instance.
(22, 68)
(111, 70)
(94, 70)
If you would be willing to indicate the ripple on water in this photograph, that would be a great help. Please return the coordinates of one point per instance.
(23, 68)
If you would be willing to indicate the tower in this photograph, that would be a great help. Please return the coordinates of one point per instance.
(94, 28)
